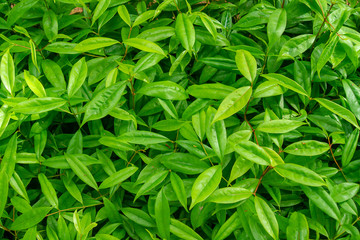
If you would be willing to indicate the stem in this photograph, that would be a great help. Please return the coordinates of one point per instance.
(337, 164)
(252, 129)
(323, 23)
(261, 177)
(73, 208)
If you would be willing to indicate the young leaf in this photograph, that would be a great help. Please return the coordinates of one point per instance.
(4, 189)
(285, 82)
(50, 24)
(34, 84)
(350, 147)
(307, 148)
(185, 31)
(298, 228)
(338, 110)
(179, 189)
(267, 217)
(205, 184)
(118, 177)
(233, 103)
(144, 45)
(164, 90)
(77, 76)
(104, 102)
(246, 64)
(99, 10)
(279, 126)
(124, 14)
(229, 195)
(81, 170)
(162, 215)
(7, 72)
(322, 200)
(252, 152)
(181, 230)
(48, 190)
(299, 174)
(94, 43)
(53, 73)
(30, 218)
(38, 105)
(276, 26)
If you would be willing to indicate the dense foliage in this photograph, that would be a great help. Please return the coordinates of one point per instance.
(179, 119)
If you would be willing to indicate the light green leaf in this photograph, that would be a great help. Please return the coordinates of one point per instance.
(252, 152)
(298, 228)
(267, 217)
(124, 14)
(151, 183)
(30, 218)
(7, 72)
(100, 9)
(162, 215)
(104, 102)
(4, 189)
(94, 43)
(276, 26)
(50, 24)
(34, 84)
(299, 174)
(279, 126)
(164, 90)
(231, 224)
(118, 177)
(53, 73)
(246, 64)
(39, 105)
(179, 189)
(205, 184)
(307, 148)
(77, 77)
(233, 103)
(338, 110)
(183, 231)
(81, 170)
(139, 217)
(185, 31)
(48, 190)
(144, 45)
(285, 82)
(322, 200)
(229, 195)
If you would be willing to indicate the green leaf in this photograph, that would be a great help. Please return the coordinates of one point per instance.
(183, 231)
(77, 77)
(299, 174)
(99, 10)
(143, 137)
(322, 200)
(144, 17)
(267, 217)
(307, 148)
(246, 64)
(162, 215)
(185, 31)
(216, 133)
(7, 72)
(118, 177)
(296, 46)
(48, 190)
(17, 184)
(352, 92)
(240, 167)
(211, 90)
(94, 43)
(138, 216)
(151, 183)
(179, 189)
(34, 84)
(298, 228)
(184, 163)
(81, 170)
(252, 152)
(285, 82)
(30, 218)
(229, 195)
(205, 184)
(9, 159)
(50, 24)
(53, 73)
(4, 189)
(233, 103)
(338, 110)
(344, 191)
(38, 105)
(124, 14)
(164, 90)
(169, 125)
(350, 148)
(279, 126)
(104, 102)
(326, 53)
(231, 224)
(276, 26)
(144, 45)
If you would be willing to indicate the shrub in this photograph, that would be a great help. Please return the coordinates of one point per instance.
(179, 119)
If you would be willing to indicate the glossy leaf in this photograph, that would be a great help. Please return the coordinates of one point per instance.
(94, 43)
(307, 148)
(279, 126)
(77, 77)
(267, 217)
(118, 177)
(162, 215)
(7, 72)
(144, 45)
(246, 64)
(185, 31)
(299, 174)
(30, 218)
(205, 184)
